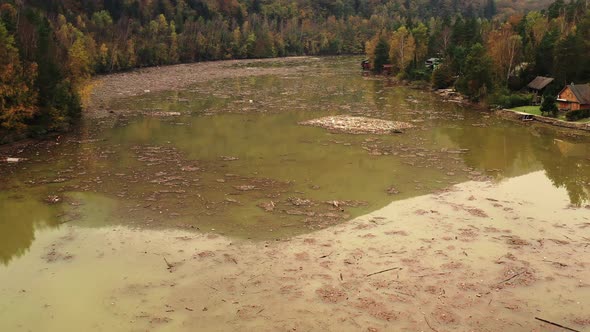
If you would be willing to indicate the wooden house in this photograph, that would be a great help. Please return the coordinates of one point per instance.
(432, 63)
(387, 69)
(538, 86)
(574, 97)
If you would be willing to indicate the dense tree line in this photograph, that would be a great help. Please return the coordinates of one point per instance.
(49, 48)
(487, 58)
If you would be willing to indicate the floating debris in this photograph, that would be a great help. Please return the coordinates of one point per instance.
(52, 199)
(392, 191)
(162, 114)
(267, 206)
(14, 160)
(245, 188)
(358, 125)
(450, 95)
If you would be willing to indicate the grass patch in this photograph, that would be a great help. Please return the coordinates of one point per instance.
(535, 110)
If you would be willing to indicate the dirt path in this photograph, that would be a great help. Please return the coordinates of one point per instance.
(479, 257)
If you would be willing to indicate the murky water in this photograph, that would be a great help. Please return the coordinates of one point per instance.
(236, 162)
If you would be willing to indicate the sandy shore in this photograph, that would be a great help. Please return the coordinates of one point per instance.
(479, 257)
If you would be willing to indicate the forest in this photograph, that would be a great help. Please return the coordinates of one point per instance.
(491, 60)
(50, 48)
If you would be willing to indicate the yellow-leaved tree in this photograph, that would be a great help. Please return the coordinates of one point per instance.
(402, 48)
(18, 97)
(505, 48)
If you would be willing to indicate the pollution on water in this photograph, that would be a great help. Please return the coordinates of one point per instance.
(293, 194)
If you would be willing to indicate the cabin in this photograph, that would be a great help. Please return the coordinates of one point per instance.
(574, 97)
(387, 69)
(538, 86)
(366, 65)
(432, 63)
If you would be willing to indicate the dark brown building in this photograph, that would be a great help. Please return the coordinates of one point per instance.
(537, 86)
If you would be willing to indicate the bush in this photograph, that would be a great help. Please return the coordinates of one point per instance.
(511, 100)
(419, 74)
(577, 115)
(442, 77)
(549, 106)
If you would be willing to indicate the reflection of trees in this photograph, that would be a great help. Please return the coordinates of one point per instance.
(17, 236)
(566, 163)
(18, 220)
(506, 150)
(514, 150)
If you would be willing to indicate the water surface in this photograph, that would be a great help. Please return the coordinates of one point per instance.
(236, 161)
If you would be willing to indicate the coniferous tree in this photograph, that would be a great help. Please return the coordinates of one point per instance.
(381, 55)
(477, 79)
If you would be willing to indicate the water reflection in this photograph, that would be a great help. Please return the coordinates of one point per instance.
(567, 164)
(514, 151)
(20, 217)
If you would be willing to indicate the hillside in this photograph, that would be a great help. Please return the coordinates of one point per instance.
(51, 47)
(510, 7)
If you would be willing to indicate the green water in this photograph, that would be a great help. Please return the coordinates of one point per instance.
(186, 171)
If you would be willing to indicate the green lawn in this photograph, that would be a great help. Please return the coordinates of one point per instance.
(535, 110)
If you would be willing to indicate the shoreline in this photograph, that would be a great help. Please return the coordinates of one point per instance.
(103, 89)
(517, 116)
(453, 96)
(478, 256)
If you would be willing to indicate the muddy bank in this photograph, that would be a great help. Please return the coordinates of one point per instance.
(478, 257)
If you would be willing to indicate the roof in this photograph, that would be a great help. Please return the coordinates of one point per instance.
(540, 82)
(582, 92)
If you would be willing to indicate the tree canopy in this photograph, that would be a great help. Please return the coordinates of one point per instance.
(51, 47)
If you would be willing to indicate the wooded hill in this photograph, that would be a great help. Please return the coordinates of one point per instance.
(491, 59)
(49, 48)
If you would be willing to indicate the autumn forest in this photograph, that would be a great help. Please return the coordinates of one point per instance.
(489, 49)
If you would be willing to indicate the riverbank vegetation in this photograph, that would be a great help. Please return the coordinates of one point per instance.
(49, 48)
(491, 58)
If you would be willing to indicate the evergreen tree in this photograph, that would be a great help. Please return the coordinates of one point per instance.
(17, 95)
(548, 106)
(381, 55)
(568, 59)
(442, 76)
(490, 9)
(476, 82)
(545, 53)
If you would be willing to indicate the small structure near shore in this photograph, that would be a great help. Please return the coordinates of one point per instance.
(366, 65)
(387, 69)
(432, 63)
(538, 86)
(358, 125)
